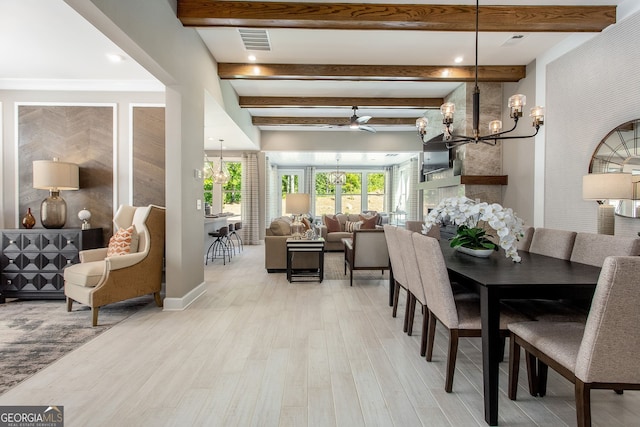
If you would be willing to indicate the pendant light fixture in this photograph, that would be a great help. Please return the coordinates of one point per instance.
(516, 104)
(221, 176)
(337, 177)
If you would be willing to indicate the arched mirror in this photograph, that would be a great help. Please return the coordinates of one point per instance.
(619, 151)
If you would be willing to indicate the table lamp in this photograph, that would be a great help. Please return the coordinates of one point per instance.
(297, 204)
(606, 186)
(54, 176)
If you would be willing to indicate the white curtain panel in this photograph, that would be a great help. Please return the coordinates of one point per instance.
(412, 202)
(250, 199)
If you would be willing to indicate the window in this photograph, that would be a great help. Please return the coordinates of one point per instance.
(351, 194)
(375, 191)
(227, 199)
(232, 190)
(362, 191)
(291, 182)
(325, 195)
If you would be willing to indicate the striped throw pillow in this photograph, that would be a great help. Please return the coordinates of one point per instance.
(351, 226)
(125, 241)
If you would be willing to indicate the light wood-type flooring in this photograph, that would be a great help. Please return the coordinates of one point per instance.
(257, 350)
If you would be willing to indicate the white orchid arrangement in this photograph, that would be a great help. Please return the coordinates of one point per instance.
(466, 214)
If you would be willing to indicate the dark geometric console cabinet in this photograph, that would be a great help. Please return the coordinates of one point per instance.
(32, 261)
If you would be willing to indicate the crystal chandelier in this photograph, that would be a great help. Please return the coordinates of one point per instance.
(221, 176)
(516, 104)
(337, 177)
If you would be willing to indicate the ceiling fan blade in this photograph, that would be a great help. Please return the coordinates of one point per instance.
(363, 119)
(367, 128)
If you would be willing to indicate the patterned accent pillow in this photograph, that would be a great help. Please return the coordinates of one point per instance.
(125, 241)
(351, 226)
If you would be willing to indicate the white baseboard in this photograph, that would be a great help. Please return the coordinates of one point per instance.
(177, 304)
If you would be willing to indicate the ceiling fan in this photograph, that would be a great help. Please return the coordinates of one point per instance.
(360, 122)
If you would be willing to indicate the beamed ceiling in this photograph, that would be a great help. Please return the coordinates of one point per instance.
(393, 61)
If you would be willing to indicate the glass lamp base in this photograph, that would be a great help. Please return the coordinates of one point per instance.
(53, 211)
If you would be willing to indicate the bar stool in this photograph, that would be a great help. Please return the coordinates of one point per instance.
(220, 248)
(228, 240)
(237, 226)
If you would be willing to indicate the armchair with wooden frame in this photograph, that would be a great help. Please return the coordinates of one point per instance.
(99, 280)
(366, 250)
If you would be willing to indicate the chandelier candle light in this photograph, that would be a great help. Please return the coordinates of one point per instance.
(516, 104)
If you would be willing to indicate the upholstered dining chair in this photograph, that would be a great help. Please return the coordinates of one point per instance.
(525, 241)
(397, 270)
(103, 277)
(601, 354)
(553, 243)
(592, 249)
(461, 316)
(414, 282)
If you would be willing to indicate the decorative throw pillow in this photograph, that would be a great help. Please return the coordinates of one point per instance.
(333, 225)
(368, 223)
(125, 241)
(307, 224)
(280, 227)
(351, 226)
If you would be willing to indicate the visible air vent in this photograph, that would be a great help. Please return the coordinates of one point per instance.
(255, 39)
(391, 154)
(514, 39)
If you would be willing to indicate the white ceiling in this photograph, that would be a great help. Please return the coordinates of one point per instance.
(45, 45)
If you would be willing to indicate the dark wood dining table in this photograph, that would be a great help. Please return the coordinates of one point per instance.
(496, 278)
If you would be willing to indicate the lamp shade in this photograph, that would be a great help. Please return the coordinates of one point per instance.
(603, 186)
(55, 175)
(298, 203)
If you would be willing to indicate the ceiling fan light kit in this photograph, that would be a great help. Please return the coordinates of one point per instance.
(359, 123)
(516, 104)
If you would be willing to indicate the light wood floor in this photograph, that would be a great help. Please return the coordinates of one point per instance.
(257, 350)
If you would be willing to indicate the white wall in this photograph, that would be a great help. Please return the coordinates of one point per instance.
(122, 139)
(518, 155)
(589, 91)
(149, 31)
(341, 141)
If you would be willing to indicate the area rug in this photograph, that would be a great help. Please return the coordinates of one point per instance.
(34, 334)
(334, 269)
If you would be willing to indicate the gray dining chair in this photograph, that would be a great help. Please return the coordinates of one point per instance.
(460, 315)
(525, 241)
(398, 270)
(592, 249)
(414, 281)
(553, 243)
(599, 354)
(416, 226)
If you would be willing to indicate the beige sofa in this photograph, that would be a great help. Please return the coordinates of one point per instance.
(275, 248)
(333, 239)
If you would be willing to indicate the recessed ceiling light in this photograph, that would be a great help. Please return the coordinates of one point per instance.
(115, 57)
(458, 59)
(252, 58)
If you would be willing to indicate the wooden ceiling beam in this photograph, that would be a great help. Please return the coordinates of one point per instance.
(373, 16)
(329, 102)
(407, 73)
(328, 121)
